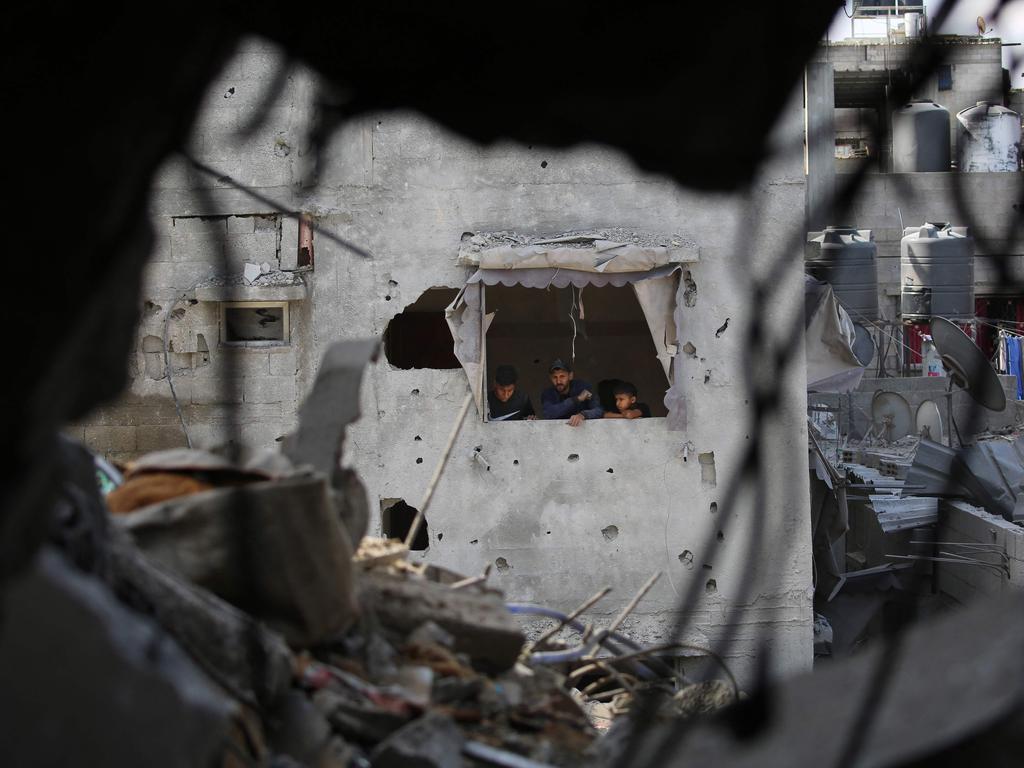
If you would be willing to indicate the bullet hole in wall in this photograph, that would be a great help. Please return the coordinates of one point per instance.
(515, 462)
(414, 392)
(418, 336)
(229, 92)
(475, 541)
(392, 283)
(440, 536)
(544, 164)
(707, 469)
(149, 309)
(574, 457)
(610, 471)
(713, 508)
(548, 533)
(706, 566)
(396, 519)
(689, 349)
(686, 558)
(502, 565)
(721, 536)
(419, 459)
(711, 586)
(721, 330)
(707, 376)
(417, 439)
(610, 532)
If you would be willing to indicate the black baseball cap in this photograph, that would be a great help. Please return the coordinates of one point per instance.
(505, 375)
(559, 364)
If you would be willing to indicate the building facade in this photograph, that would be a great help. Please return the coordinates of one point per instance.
(558, 512)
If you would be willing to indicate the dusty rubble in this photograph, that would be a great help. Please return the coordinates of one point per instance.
(425, 667)
(249, 598)
(367, 656)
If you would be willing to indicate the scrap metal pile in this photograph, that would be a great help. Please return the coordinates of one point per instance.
(228, 604)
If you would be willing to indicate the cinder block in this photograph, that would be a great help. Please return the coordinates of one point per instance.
(110, 439)
(283, 362)
(241, 225)
(289, 249)
(208, 390)
(270, 389)
(256, 247)
(207, 249)
(257, 436)
(226, 362)
(222, 414)
(142, 391)
(152, 438)
(157, 412)
(161, 248)
(200, 225)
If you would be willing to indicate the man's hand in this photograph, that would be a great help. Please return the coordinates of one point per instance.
(635, 413)
(575, 420)
(584, 395)
(531, 418)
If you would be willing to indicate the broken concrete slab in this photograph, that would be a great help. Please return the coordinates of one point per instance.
(253, 664)
(478, 620)
(75, 665)
(274, 549)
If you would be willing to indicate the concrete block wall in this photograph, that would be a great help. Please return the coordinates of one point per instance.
(255, 385)
(962, 522)
(406, 190)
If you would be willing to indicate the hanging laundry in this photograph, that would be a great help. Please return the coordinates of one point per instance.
(1013, 362)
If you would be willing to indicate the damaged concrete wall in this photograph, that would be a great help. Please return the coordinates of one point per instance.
(561, 511)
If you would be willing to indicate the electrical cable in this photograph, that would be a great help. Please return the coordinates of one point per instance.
(169, 373)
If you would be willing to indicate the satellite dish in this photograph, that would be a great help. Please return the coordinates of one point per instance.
(968, 368)
(891, 416)
(928, 421)
(863, 345)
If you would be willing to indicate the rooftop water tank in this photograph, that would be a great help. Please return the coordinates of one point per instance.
(936, 273)
(988, 138)
(845, 258)
(920, 138)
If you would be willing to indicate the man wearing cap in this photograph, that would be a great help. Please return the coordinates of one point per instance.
(568, 397)
(505, 402)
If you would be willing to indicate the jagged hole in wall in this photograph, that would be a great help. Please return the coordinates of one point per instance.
(605, 325)
(418, 337)
(396, 519)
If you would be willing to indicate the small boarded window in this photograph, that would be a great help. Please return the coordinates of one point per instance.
(254, 323)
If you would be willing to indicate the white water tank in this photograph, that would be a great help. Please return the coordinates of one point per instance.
(920, 137)
(912, 25)
(988, 139)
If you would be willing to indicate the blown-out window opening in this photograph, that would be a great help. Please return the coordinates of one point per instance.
(610, 327)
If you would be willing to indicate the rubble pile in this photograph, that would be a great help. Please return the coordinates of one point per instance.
(228, 603)
(331, 657)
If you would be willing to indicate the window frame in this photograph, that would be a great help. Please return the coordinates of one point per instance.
(223, 308)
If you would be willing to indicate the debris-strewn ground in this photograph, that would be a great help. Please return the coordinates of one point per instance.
(335, 657)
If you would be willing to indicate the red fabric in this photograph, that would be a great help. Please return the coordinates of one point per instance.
(912, 333)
